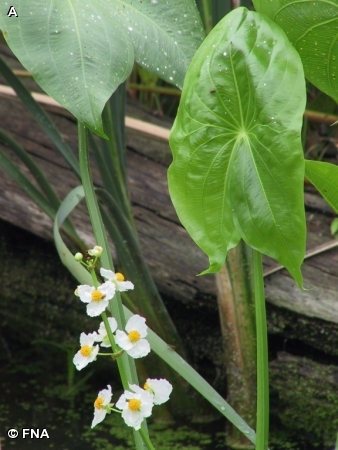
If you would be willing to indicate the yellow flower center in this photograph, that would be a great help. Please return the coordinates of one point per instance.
(98, 402)
(119, 276)
(97, 296)
(146, 387)
(134, 404)
(134, 336)
(85, 350)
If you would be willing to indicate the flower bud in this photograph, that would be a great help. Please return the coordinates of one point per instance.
(78, 257)
(96, 251)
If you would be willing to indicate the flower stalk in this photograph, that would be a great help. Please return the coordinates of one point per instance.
(262, 421)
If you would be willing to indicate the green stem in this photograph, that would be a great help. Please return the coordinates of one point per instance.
(101, 239)
(125, 364)
(262, 421)
(146, 440)
(94, 278)
(207, 15)
(110, 335)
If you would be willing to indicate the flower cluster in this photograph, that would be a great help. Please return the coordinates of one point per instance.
(134, 404)
(97, 298)
(132, 342)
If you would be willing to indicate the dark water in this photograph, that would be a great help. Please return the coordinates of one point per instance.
(35, 396)
(39, 391)
(36, 401)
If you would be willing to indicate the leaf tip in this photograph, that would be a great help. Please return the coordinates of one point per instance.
(213, 268)
(298, 277)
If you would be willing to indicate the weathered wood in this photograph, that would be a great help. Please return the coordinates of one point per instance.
(161, 236)
(306, 393)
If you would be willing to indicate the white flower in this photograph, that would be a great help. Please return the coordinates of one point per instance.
(133, 342)
(97, 298)
(160, 389)
(103, 336)
(102, 405)
(117, 279)
(87, 352)
(135, 406)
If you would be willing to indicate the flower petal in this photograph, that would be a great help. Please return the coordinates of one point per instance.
(96, 308)
(85, 293)
(140, 349)
(108, 274)
(161, 390)
(88, 339)
(125, 286)
(108, 289)
(132, 418)
(121, 402)
(99, 415)
(106, 394)
(138, 323)
(123, 340)
(79, 361)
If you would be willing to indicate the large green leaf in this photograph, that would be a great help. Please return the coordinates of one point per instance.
(238, 164)
(79, 52)
(324, 176)
(312, 27)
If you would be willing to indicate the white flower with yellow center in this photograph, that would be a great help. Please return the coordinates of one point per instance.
(135, 406)
(87, 352)
(102, 405)
(103, 336)
(133, 342)
(117, 279)
(160, 389)
(97, 298)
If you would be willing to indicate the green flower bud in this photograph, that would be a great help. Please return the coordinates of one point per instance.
(78, 257)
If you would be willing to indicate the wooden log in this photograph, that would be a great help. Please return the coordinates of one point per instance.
(171, 254)
(306, 396)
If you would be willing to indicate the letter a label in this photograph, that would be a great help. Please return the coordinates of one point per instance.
(12, 12)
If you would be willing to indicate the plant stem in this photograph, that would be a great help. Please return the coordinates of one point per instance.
(146, 440)
(125, 364)
(156, 89)
(262, 420)
(207, 15)
(237, 316)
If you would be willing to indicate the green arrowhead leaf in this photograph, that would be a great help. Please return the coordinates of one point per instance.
(79, 52)
(312, 27)
(324, 176)
(238, 165)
